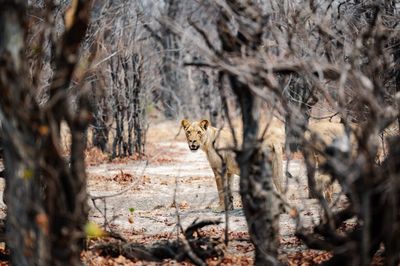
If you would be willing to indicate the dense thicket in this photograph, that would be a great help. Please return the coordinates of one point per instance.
(139, 60)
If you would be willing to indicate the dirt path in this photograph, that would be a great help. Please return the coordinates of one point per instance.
(174, 172)
(187, 175)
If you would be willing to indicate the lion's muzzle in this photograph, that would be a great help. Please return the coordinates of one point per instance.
(194, 147)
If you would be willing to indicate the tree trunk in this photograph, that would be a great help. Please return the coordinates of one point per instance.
(138, 106)
(256, 188)
(260, 204)
(209, 103)
(47, 201)
(300, 102)
(100, 118)
(119, 108)
(170, 75)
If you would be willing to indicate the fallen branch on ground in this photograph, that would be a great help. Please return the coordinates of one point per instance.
(202, 247)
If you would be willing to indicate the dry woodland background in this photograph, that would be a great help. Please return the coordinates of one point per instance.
(96, 168)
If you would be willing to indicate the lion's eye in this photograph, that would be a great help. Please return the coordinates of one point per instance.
(188, 133)
(199, 132)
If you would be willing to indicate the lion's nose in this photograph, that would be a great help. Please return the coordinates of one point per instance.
(192, 144)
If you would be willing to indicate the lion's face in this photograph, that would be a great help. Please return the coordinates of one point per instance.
(195, 133)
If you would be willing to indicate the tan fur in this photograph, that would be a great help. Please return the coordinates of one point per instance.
(218, 145)
(274, 140)
(322, 134)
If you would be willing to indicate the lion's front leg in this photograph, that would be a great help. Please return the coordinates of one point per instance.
(227, 188)
(223, 190)
(220, 188)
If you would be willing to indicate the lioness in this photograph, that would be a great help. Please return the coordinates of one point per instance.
(323, 134)
(218, 144)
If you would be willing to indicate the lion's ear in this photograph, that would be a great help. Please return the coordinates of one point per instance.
(204, 124)
(185, 123)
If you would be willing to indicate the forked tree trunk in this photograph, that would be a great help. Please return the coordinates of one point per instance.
(261, 207)
(46, 196)
(119, 109)
(256, 188)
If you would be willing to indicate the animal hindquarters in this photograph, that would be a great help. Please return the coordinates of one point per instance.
(325, 186)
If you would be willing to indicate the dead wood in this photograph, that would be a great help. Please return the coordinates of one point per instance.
(49, 205)
(193, 246)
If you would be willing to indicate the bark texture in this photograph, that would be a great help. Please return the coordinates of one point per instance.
(256, 188)
(46, 195)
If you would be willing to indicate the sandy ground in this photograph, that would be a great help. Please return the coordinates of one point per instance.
(185, 177)
(174, 184)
